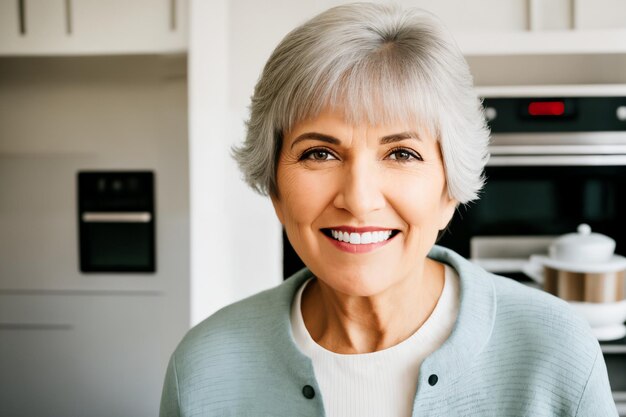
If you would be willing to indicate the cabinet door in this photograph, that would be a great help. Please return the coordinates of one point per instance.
(9, 24)
(122, 26)
(600, 14)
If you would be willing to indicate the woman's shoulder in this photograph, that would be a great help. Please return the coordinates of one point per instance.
(538, 341)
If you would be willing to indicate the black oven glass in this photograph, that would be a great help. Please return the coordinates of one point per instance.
(118, 247)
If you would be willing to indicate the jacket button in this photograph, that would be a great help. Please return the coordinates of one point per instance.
(432, 380)
(308, 392)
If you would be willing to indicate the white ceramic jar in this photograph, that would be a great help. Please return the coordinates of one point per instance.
(583, 269)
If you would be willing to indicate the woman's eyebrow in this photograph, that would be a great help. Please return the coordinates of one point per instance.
(394, 137)
(316, 136)
(397, 137)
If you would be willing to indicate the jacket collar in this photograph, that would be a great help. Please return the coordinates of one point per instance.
(470, 334)
(474, 324)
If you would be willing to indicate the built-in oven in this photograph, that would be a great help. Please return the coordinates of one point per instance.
(558, 159)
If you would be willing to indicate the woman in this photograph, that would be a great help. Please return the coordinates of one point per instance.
(366, 133)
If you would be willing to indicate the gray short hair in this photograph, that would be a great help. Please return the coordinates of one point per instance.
(375, 63)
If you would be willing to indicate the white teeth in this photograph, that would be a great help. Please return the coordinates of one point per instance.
(361, 238)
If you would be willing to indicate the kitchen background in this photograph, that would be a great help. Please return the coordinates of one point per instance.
(163, 86)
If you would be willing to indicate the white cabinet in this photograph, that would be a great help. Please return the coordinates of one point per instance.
(521, 27)
(549, 27)
(83, 27)
(75, 344)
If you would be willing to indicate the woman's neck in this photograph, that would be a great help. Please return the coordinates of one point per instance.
(352, 324)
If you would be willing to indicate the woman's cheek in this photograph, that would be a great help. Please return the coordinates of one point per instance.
(304, 191)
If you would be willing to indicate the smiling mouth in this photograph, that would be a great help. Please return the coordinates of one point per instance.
(360, 238)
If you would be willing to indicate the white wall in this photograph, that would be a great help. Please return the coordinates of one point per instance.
(74, 344)
(235, 238)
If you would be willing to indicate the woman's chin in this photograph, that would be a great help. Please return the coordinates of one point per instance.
(360, 285)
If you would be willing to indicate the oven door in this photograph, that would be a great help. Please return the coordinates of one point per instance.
(530, 199)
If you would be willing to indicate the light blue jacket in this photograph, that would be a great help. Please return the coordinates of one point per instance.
(514, 351)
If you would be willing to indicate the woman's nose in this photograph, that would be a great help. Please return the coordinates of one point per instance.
(359, 190)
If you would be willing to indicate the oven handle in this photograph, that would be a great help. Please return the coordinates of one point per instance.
(117, 217)
(556, 160)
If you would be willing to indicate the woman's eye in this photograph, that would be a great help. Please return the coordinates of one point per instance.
(403, 155)
(317, 155)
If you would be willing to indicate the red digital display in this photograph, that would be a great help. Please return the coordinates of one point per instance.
(546, 108)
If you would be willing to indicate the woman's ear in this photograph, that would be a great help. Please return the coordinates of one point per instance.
(448, 208)
(277, 208)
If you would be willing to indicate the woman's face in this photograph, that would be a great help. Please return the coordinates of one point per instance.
(333, 177)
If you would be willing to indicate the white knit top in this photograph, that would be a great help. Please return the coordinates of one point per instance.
(381, 383)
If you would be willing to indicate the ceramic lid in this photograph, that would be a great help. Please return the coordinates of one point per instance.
(583, 247)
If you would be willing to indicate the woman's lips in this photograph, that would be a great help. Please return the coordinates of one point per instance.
(366, 240)
(351, 229)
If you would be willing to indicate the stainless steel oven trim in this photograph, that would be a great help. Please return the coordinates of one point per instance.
(554, 90)
(559, 138)
(557, 160)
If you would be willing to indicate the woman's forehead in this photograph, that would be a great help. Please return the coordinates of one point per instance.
(336, 122)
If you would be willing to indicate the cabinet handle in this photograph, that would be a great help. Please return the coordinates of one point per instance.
(21, 9)
(574, 14)
(172, 15)
(68, 16)
(533, 15)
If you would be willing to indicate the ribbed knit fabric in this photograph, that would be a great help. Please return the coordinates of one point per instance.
(382, 383)
(514, 351)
